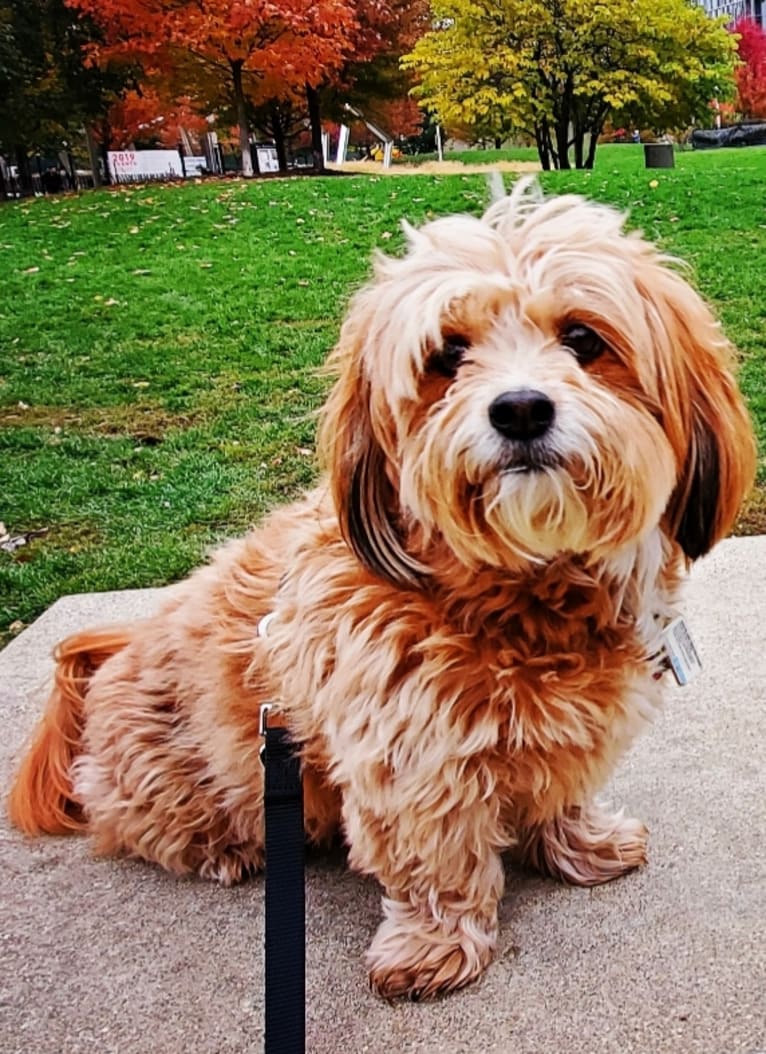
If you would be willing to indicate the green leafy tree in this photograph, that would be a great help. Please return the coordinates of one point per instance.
(558, 69)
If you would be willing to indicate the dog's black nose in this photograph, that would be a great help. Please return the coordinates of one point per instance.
(523, 414)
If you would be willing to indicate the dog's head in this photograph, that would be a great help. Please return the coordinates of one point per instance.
(526, 384)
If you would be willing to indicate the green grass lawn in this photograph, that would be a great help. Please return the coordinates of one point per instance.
(159, 346)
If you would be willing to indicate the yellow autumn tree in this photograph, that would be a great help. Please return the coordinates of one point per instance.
(558, 69)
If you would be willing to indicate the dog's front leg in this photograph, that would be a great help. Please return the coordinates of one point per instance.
(439, 865)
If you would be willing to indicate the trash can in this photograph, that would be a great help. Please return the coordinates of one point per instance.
(659, 155)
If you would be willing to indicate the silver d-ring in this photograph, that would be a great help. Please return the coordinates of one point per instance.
(263, 718)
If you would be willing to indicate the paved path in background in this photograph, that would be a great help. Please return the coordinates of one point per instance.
(104, 956)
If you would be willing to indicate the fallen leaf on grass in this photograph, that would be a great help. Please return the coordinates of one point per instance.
(16, 626)
(31, 270)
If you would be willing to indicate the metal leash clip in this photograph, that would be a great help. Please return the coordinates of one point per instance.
(263, 724)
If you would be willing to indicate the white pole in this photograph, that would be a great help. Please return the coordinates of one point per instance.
(495, 185)
(439, 152)
(343, 135)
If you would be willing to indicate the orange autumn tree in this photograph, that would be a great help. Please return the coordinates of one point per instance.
(241, 43)
(372, 79)
(148, 114)
(365, 72)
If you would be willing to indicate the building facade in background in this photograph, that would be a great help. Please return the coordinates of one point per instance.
(734, 9)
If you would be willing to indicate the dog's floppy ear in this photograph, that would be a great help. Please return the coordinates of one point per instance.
(704, 416)
(718, 470)
(362, 474)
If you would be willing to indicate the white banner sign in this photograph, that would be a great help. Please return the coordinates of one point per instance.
(195, 165)
(267, 159)
(126, 166)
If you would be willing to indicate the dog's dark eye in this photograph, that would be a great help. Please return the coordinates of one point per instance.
(586, 344)
(446, 360)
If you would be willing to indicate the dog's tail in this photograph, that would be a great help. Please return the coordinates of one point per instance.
(41, 799)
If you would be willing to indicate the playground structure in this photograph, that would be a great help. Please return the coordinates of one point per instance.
(384, 138)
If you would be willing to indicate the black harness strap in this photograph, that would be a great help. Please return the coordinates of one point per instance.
(285, 1016)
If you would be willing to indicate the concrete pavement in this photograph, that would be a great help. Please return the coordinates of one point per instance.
(111, 956)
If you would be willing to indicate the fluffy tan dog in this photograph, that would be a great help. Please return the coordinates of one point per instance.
(533, 429)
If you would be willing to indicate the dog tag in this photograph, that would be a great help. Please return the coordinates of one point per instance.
(680, 652)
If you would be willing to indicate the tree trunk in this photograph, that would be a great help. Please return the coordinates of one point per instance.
(312, 98)
(105, 163)
(543, 152)
(24, 170)
(102, 146)
(90, 139)
(562, 140)
(244, 128)
(498, 143)
(579, 131)
(278, 133)
(566, 117)
(594, 134)
(551, 148)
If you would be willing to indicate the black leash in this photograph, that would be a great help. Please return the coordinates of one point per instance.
(285, 1000)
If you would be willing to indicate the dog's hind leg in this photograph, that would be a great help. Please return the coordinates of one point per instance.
(585, 845)
(162, 775)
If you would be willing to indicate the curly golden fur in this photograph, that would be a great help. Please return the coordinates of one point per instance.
(534, 428)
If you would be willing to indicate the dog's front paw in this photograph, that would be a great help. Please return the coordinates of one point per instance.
(416, 956)
(587, 846)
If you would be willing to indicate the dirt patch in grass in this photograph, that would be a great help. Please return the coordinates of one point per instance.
(434, 168)
(64, 537)
(144, 422)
